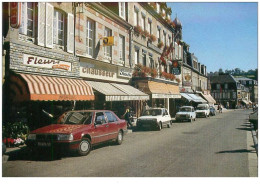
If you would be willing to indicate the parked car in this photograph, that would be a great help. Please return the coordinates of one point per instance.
(186, 113)
(212, 111)
(3, 148)
(202, 110)
(79, 130)
(154, 118)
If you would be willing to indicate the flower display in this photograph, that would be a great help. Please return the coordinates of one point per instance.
(160, 44)
(152, 38)
(144, 71)
(138, 29)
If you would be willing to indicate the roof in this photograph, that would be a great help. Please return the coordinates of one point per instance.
(242, 79)
(225, 78)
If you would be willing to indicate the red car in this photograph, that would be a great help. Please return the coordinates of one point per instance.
(79, 130)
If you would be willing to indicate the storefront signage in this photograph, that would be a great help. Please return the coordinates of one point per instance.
(15, 14)
(42, 62)
(123, 72)
(160, 95)
(97, 72)
(186, 83)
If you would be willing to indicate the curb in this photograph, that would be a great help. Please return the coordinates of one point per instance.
(255, 139)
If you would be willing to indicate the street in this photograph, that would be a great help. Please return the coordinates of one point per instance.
(213, 147)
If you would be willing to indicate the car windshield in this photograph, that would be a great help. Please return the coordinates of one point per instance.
(76, 118)
(185, 109)
(202, 108)
(152, 112)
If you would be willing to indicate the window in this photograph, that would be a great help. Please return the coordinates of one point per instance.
(136, 56)
(135, 18)
(108, 49)
(159, 35)
(164, 38)
(226, 86)
(122, 10)
(111, 118)
(122, 48)
(58, 28)
(90, 37)
(100, 117)
(149, 28)
(158, 7)
(151, 62)
(250, 82)
(143, 22)
(28, 19)
(218, 86)
(169, 41)
(144, 58)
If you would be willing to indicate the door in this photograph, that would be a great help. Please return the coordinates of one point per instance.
(101, 126)
(113, 125)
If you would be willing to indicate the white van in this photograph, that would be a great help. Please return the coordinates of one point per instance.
(202, 110)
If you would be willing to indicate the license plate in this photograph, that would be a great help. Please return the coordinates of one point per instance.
(46, 144)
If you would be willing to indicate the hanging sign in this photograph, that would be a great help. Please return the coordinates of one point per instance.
(108, 41)
(15, 14)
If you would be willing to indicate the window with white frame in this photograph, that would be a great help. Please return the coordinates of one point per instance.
(159, 34)
(135, 18)
(149, 27)
(136, 56)
(143, 22)
(108, 49)
(27, 26)
(164, 38)
(144, 58)
(122, 48)
(122, 9)
(58, 27)
(151, 62)
(158, 7)
(90, 30)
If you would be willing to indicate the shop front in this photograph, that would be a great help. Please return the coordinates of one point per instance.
(111, 86)
(162, 93)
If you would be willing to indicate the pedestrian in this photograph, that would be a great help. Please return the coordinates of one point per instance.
(127, 116)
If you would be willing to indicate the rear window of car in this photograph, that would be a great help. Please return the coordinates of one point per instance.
(77, 118)
(111, 117)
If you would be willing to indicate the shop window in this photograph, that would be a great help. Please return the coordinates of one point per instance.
(90, 37)
(58, 28)
(122, 49)
(27, 26)
(108, 49)
(122, 9)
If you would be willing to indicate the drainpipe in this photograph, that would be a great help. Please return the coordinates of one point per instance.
(130, 46)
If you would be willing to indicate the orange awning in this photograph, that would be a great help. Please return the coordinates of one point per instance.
(28, 87)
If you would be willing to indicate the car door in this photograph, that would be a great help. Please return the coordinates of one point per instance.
(113, 125)
(101, 126)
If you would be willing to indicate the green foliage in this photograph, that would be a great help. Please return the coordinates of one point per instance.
(15, 130)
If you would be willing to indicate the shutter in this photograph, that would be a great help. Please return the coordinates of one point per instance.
(41, 24)
(49, 25)
(176, 50)
(180, 52)
(70, 33)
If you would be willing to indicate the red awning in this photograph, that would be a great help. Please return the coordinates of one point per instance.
(26, 87)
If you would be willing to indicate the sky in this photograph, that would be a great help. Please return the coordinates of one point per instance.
(221, 35)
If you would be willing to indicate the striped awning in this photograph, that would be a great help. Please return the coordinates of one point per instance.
(28, 87)
(186, 96)
(118, 92)
(209, 98)
(197, 98)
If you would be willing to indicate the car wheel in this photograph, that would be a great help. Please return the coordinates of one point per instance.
(84, 147)
(160, 126)
(119, 139)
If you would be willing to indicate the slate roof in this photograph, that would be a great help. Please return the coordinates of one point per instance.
(222, 79)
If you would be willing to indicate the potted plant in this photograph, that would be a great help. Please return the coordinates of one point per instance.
(153, 5)
(138, 29)
(153, 72)
(146, 34)
(152, 38)
(160, 44)
(178, 80)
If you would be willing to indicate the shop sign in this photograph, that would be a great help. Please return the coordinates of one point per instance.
(41, 62)
(186, 83)
(97, 72)
(124, 72)
(15, 14)
(160, 95)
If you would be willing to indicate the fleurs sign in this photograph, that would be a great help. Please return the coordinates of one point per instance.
(41, 62)
(15, 14)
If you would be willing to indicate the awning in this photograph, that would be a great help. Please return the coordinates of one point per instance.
(162, 90)
(209, 98)
(197, 98)
(186, 96)
(28, 87)
(245, 102)
(118, 92)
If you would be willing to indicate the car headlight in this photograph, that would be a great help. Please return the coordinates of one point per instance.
(65, 137)
(31, 137)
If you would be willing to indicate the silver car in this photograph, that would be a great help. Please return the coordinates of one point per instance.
(186, 113)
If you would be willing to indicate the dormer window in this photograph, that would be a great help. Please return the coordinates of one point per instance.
(122, 9)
